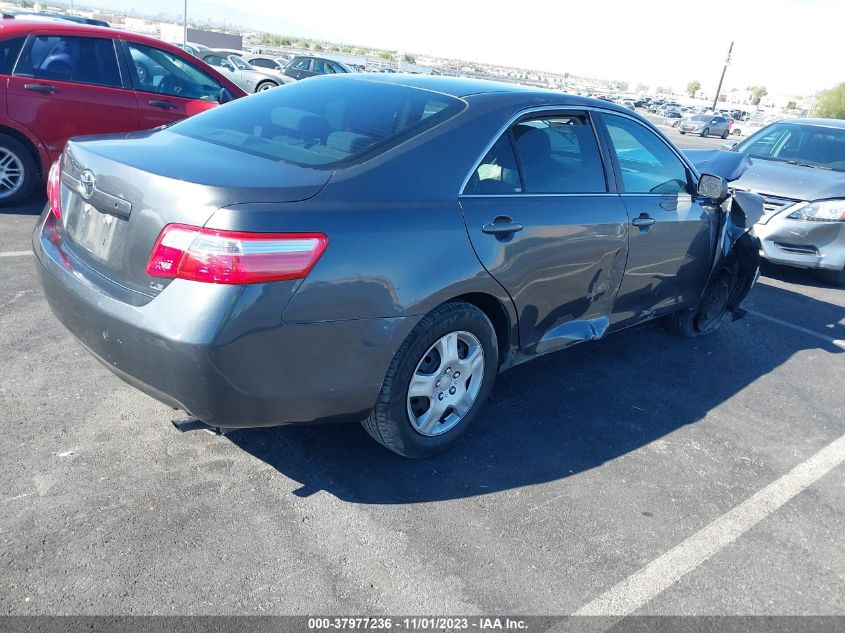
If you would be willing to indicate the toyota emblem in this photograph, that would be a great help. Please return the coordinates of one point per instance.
(86, 184)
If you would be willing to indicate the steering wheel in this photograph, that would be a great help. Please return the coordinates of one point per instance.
(143, 73)
(167, 85)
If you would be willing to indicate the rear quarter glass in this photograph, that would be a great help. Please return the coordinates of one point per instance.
(326, 123)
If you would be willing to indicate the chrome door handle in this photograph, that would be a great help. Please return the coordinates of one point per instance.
(40, 88)
(502, 225)
(643, 221)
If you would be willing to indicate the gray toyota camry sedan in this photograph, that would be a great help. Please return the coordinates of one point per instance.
(378, 248)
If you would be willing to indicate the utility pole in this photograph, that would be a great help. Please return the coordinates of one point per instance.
(722, 78)
(185, 29)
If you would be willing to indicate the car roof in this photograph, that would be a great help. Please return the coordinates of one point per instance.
(10, 26)
(835, 123)
(460, 87)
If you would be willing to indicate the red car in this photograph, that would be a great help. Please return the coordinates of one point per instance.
(61, 79)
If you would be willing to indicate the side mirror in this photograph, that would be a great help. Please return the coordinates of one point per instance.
(729, 145)
(228, 67)
(713, 187)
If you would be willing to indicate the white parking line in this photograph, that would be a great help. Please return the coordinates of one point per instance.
(798, 328)
(15, 253)
(663, 572)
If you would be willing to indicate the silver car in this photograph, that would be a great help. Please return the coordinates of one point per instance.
(271, 64)
(799, 169)
(240, 72)
(706, 125)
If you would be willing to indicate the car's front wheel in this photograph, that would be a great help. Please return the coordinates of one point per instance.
(18, 171)
(736, 132)
(437, 382)
(707, 317)
(833, 277)
(265, 85)
(705, 132)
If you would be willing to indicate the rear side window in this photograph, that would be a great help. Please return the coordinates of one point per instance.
(322, 122)
(263, 63)
(559, 154)
(9, 50)
(497, 172)
(85, 60)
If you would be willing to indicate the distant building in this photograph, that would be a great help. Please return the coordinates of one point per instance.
(212, 39)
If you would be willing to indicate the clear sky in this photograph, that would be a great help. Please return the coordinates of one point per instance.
(789, 46)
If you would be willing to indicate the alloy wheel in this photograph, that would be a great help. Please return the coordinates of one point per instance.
(445, 383)
(11, 173)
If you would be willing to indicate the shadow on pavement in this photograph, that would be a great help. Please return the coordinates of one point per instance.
(33, 206)
(550, 418)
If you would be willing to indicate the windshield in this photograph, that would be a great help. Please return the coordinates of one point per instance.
(322, 122)
(810, 145)
(239, 62)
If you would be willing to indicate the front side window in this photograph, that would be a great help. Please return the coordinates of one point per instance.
(497, 172)
(322, 68)
(646, 162)
(9, 50)
(240, 63)
(84, 60)
(302, 64)
(559, 154)
(164, 73)
(322, 123)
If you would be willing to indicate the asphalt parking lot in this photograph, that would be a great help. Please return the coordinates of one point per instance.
(640, 474)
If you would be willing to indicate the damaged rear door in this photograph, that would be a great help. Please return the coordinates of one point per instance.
(547, 226)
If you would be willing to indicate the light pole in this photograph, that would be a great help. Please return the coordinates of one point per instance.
(185, 29)
(721, 79)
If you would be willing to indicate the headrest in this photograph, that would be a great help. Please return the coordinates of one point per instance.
(308, 124)
(349, 142)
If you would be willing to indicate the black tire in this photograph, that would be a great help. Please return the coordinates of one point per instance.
(266, 85)
(705, 132)
(389, 423)
(683, 132)
(833, 277)
(30, 170)
(737, 132)
(725, 134)
(707, 316)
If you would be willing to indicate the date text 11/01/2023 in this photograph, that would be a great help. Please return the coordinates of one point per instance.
(416, 623)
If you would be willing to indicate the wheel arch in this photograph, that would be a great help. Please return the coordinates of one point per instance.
(503, 324)
(41, 159)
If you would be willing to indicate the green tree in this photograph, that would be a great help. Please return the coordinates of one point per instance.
(386, 55)
(693, 87)
(407, 57)
(831, 103)
(318, 47)
(757, 93)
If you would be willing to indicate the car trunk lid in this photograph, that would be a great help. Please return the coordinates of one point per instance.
(116, 198)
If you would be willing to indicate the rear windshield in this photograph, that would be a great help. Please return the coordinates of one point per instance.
(322, 122)
(810, 145)
(702, 117)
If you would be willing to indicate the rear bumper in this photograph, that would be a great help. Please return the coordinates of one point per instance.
(222, 353)
(818, 245)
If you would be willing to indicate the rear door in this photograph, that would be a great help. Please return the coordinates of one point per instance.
(70, 85)
(167, 87)
(673, 231)
(547, 226)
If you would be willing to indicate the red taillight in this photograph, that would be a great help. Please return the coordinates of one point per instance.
(54, 189)
(233, 257)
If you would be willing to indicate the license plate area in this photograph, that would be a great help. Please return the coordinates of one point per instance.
(102, 235)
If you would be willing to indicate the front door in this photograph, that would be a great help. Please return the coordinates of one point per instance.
(673, 231)
(70, 85)
(167, 87)
(548, 228)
